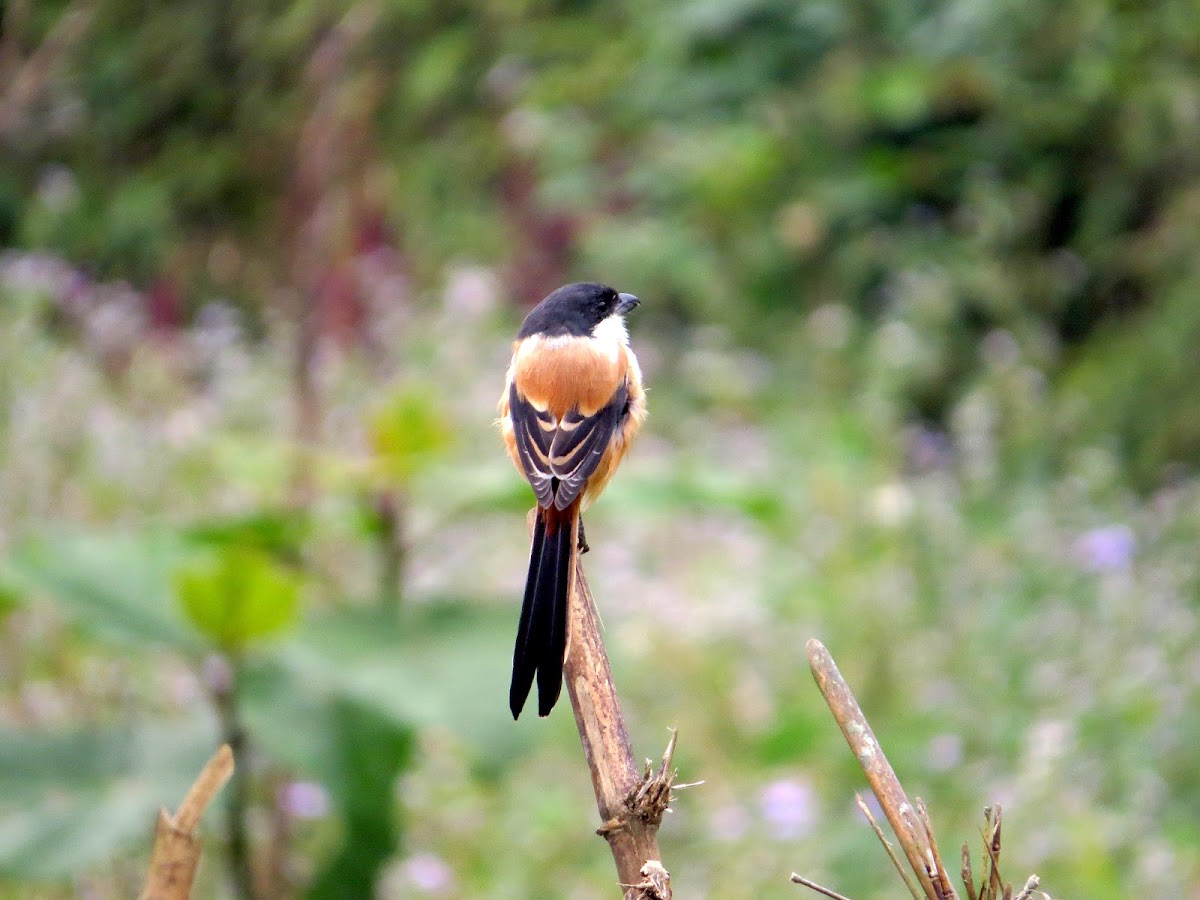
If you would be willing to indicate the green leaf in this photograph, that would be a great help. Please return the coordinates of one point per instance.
(277, 532)
(290, 721)
(408, 432)
(115, 586)
(10, 598)
(67, 760)
(445, 665)
(236, 596)
(371, 752)
(74, 799)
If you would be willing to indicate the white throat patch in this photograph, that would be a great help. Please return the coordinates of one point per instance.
(612, 336)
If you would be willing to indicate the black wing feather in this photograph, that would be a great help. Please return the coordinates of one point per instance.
(534, 432)
(579, 445)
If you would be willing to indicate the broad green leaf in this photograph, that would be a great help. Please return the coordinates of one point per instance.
(65, 834)
(371, 751)
(73, 799)
(115, 586)
(33, 762)
(444, 666)
(236, 596)
(289, 720)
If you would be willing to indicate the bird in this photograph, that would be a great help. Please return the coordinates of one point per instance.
(573, 401)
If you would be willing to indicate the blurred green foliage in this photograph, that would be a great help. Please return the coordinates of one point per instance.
(952, 169)
(407, 432)
(920, 328)
(236, 596)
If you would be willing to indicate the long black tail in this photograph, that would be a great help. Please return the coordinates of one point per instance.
(542, 632)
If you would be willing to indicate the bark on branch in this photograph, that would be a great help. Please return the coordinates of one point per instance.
(631, 800)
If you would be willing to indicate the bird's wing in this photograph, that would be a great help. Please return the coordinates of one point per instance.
(579, 444)
(534, 431)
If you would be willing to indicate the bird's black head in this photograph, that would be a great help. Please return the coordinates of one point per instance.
(575, 309)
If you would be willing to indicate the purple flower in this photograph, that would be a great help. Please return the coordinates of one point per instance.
(304, 800)
(427, 873)
(788, 806)
(945, 751)
(1106, 549)
(929, 449)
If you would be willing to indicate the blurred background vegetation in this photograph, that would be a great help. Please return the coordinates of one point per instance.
(921, 323)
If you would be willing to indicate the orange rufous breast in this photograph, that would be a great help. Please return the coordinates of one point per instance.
(561, 373)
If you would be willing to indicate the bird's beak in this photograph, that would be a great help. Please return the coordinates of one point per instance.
(626, 302)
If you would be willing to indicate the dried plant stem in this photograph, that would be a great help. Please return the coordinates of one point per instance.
(910, 831)
(888, 848)
(1030, 886)
(177, 849)
(992, 884)
(911, 825)
(631, 801)
(812, 885)
(967, 877)
(939, 869)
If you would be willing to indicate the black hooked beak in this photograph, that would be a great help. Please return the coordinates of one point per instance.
(626, 302)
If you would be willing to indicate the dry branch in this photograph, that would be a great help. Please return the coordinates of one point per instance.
(967, 877)
(812, 885)
(176, 847)
(631, 801)
(901, 814)
(911, 825)
(887, 846)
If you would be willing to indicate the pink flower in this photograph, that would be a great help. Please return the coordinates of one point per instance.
(304, 800)
(789, 808)
(1106, 549)
(427, 873)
